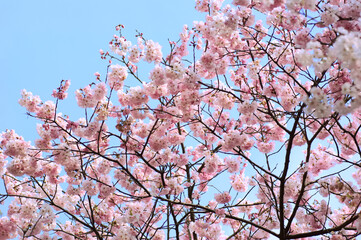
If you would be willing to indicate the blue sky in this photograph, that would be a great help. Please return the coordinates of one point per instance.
(45, 41)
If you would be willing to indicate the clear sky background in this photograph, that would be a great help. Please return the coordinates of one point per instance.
(43, 42)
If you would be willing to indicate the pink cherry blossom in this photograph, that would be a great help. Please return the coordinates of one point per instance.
(116, 77)
(222, 197)
(247, 128)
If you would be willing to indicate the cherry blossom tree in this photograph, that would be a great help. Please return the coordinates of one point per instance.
(247, 128)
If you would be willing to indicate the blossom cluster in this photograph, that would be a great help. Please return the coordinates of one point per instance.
(210, 145)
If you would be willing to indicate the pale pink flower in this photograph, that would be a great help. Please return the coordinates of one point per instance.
(116, 76)
(153, 52)
(222, 198)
